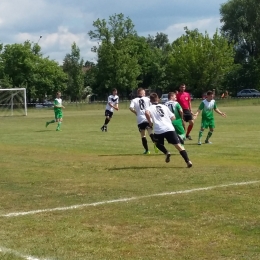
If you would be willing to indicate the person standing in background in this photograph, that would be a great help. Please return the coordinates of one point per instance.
(184, 99)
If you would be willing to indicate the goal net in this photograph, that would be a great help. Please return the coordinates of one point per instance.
(13, 102)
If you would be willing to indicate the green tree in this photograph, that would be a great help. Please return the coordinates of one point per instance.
(159, 41)
(23, 66)
(117, 61)
(158, 57)
(113, 30)
(73, 66)
(49, 78)
(199, 61)
(241, 23)
(246, 75)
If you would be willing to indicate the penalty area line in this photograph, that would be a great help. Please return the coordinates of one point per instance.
(32, 212)
(17, 254)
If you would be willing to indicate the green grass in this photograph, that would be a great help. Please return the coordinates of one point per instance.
(44, 169)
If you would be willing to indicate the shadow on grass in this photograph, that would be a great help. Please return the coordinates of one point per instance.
(144, 167)
(135, 154)
(45, 130)
(192, 144)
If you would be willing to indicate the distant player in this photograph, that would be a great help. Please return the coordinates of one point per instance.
(207, 106)
(176, 109)
(138, 106)
(112, 103)
(160, 117)
(184, 100)
(57, 111)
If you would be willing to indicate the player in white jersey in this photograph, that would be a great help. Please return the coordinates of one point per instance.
(160, 117)
(112, 103)
(138, 106)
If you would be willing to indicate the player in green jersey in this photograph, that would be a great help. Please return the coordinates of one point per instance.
(57, 111)
(208, 106)
(176, 109)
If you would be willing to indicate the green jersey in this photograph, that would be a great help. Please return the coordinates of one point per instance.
(174, 107)
(58, 110)
(57, 102)
(207, 108)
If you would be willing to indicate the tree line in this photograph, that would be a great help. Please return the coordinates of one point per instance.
(227, 61)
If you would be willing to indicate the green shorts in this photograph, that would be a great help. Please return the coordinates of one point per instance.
(178, 127)
(58, 114)
(208, 123)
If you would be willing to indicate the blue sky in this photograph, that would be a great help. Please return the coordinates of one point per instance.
(62, 22)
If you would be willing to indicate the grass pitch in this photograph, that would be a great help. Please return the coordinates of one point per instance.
(41, 169)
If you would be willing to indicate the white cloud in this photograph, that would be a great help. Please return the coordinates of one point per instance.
(62, 22)
(174, 31)
(58, 44)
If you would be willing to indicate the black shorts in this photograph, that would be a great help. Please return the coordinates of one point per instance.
(143, 126)
(187, 116)
(108, 113)
(171, 137)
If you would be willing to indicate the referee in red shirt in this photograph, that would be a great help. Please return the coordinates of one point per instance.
(184, 100)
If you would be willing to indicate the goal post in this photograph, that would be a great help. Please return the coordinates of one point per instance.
(13, 101)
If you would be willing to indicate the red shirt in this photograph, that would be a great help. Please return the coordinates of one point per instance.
(184, 99)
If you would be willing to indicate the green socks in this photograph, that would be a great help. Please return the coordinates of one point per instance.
(209, 135)
(200, 135)
(59, 125)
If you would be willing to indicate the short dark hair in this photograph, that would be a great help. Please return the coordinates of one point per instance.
(114, 89)
(209, 93)
(171, 94)
(154, 97)
(139, 90)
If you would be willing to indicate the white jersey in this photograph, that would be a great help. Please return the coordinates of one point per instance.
(161, 116)
(113, 100)
(140, 104)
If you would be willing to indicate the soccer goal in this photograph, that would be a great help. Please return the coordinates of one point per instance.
(13, 102)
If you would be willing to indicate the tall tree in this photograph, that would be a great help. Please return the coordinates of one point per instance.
(117, 59)
(159, 41)
(159, 48)
(73, 66)
(113, 30)
(241, 25)
(199, 61)
(24, 66)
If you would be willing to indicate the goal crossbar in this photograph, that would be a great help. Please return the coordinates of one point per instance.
(10, 89)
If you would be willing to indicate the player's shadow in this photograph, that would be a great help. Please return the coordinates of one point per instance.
(135, 154)
(42, 131)
(188, 144)
(143, 168)
(130, 154)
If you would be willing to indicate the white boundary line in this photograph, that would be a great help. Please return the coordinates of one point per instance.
(26, 257)
(16, 214)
